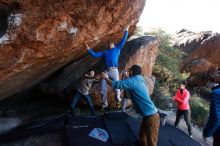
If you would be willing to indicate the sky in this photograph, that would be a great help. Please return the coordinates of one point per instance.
(173, 15)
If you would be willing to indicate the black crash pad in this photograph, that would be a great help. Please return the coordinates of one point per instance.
(115, 123)
(171, 136)
(119, 129)
(78, 128)
(33, 128)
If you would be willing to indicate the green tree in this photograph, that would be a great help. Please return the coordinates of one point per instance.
(167, 71)
(169, 58)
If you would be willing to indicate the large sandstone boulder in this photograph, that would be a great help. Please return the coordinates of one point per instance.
(63, 82)
(202, 60)
(39, 37)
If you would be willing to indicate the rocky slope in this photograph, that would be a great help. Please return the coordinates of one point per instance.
(39, 37)
(202, 60)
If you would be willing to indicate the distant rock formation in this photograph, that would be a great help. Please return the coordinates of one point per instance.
(203, 55)
(44, 36)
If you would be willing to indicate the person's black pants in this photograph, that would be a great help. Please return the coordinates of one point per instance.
(216, 140)
(187, 117)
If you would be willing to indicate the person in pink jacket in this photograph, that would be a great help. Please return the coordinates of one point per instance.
(183, 108)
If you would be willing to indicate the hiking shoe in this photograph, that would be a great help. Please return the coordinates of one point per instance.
(104, 108)
(119, 105)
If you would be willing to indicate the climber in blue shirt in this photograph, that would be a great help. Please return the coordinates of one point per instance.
(111, 57)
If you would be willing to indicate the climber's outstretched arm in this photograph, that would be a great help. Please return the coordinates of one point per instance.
(93, 53)
(123, 41)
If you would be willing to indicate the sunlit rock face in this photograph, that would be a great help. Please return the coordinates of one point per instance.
(203, 55)
(39, 37)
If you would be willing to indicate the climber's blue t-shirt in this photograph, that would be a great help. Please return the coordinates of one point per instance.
(111, 55)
